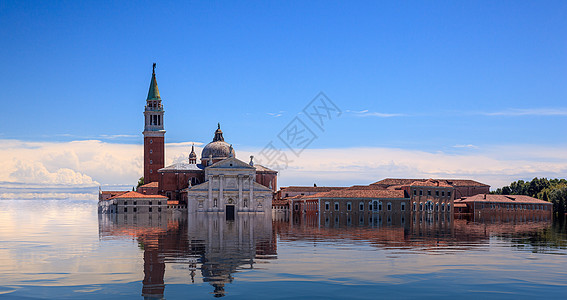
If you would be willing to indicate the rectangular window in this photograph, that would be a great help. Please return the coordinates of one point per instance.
(380, 206)
(159, 203)
(437, 193)
(443, 194)
(370, 206)
(428, 193)
(389, 205)
(135, 209)
(150, 202)
(336, 206)
(420, 192)
(125, 209)
(327, 206)
(361, 206)
(448, 194)
(414, 192)
(403, 206)
(150, 209)
(349, 206)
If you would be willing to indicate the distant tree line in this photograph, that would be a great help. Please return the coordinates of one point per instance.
(550, 190)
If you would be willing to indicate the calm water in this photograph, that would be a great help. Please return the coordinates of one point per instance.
(64, 249)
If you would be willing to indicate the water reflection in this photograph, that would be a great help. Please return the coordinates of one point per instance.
(202, 242)
(212, 249)
(422, 231)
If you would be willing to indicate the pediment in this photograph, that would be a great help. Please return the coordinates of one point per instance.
(231, 163)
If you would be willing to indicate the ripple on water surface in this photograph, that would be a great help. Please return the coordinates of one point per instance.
(64, 249)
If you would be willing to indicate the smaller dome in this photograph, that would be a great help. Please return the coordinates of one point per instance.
(192, 155)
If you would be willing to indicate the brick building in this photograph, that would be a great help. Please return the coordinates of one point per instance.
(133, 202)
(488, 204)
(172, 180)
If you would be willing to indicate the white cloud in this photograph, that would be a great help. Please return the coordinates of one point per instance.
(514, 112)
(497, 165)
(366, 113)
(36, 172)
(276, 115)
(59, 166)
(469, 146)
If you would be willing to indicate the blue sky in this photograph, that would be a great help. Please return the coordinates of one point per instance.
(452, 77)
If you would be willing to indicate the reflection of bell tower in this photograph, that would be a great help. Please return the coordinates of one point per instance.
(154, 270)
(154, 132)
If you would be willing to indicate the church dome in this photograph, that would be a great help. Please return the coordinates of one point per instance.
(218, 148)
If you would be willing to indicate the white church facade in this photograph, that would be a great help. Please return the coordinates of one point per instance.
(230, 188)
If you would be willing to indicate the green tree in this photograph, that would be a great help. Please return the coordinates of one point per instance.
(140, 182)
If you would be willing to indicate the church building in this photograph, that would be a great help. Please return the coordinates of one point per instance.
(219, 182)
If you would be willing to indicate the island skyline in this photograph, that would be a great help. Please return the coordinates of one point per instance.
(479, 99)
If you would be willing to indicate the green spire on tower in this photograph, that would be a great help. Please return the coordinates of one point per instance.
(153, 93)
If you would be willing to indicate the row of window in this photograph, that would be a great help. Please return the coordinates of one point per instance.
(514, 206)
(429, 193)
(429, 206)
(372, 206)
(136, 203)
(135, 209)
(154, 104)
(372, 220)
(155, 120)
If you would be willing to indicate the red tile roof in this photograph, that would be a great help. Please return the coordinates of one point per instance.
(406, 181)
(361, 193)
(311, 188)
(154, 184)
(113, 192)
(136, 195)
(365, 187)
(520, 199)
(431, 182)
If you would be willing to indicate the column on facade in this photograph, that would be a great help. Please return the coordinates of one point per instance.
(240, 199)
(252, 203)
(209, 201)
(240, 227)
(221, 194)
(221, 234)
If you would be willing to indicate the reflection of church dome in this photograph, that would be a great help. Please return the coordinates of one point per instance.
(218, 148)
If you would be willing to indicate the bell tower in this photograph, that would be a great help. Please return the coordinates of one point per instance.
(154, 133)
